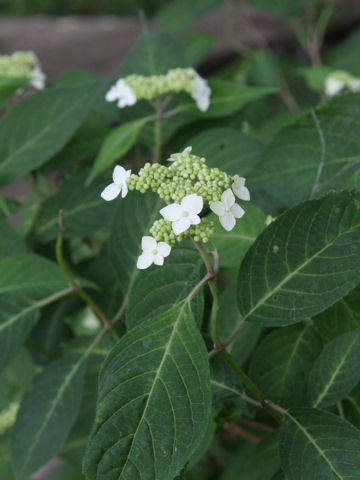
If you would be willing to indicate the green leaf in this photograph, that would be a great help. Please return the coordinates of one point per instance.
(8, 85)
(154, 54)
(303, 263)
(16, 378)
(352, 407)
(255, 462)
(341, 317)
(84, 144)
(226, 98)
(314, 76)
(17, 317)
(264, 68)
(232, 246)
(46, 414)
(154, 401)
(158, 289)
(133, 219)
(281, 364)
(224, 383)
(31, 276)
(85, 211)
(10, 241)
(116, 144)
(198, 46)
(27, 141)
(180, 14)
(335, 372)
(312, 155)
(228, 149)
(343, 56)
(229, 316)
(315, 445)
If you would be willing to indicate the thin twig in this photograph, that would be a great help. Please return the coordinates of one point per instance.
(73, 282)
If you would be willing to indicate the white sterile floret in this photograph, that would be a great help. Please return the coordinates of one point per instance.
(201, 92)
(354, 84)
(37, 78)
(153, 252)
(185, 214)
(227, 210)
(175, 156)
(121, 92)
(333, 86)
(119, 178)
(238, 187)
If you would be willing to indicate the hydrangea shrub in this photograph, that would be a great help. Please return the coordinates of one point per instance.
(180, 289)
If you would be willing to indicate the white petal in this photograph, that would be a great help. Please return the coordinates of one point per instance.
(201, 93)
(148, 244)
(172, 212)
(158, 259)
(192, 203)
(124, 190)
(164, 249)
(227, 221)
(237, 211)
(355, 84)
(119, 174)
(127, 174)
(228, 198)
(112, 94)
(144, 261)
(217, 207)
(333, 86)
(194, 219)
(181, 225)
(241, 192)
(110, 192)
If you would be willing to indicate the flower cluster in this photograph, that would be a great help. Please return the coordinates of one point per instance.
(340, 80)
(23, 64)
(185, 184)
(138, 87)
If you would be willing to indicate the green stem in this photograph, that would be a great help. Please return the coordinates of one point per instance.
(157, 133)
(73, 282)
(275, 411)
(340, 410)
(214, 313)
(212, 271)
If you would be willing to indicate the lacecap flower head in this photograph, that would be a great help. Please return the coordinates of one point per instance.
(339, 80)
(185, 184)
(128, 90)
(23, 64)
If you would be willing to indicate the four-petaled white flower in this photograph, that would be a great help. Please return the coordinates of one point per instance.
(153, 252)
(175, 156)
(238, 187)
(119, 178)
(201, 92)
(227, 210)
(185, 214)
(121, 92)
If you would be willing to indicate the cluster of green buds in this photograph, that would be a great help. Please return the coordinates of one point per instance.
(22, 65)
(185, 175)
(128, 90)
(188, 182)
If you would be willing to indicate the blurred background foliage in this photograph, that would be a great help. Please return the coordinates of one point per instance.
(79, 7)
